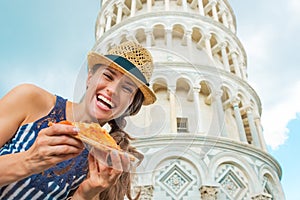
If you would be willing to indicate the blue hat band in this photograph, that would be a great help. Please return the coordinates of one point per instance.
(127, 65)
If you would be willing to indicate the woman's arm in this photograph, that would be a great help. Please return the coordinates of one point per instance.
(27, 103)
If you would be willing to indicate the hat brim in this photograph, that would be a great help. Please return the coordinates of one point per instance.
(95, 58)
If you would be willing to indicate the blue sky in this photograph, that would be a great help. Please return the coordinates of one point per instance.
(46, 42)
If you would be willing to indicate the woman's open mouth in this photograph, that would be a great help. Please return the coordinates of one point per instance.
(104, 101)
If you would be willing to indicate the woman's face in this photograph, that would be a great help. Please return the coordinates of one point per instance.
(109, 94)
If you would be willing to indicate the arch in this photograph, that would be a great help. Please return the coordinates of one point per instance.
(206, 85)
(178, 153)
(242, 97)
(140, 35)
(238, 161)
(178, 30)
(158, 30)
(159, 83)
(227, 93)
(184, 82)
(267, 174)
(196, 34)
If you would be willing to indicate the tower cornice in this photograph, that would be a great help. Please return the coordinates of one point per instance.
(205, 141)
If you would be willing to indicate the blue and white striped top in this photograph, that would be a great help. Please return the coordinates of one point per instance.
(54, 183)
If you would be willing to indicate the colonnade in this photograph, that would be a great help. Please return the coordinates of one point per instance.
(215, 99)
(232, 61)
(215, 9)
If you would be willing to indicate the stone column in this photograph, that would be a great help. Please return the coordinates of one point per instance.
(201, 9)
(167, 5)
(133, 8)
(149, 5)
(207, 37)
(216, 96)
(196, 91)
(260, 132)
(120, 12)
(184, 5)
(236, 64)
(225, 56)
(109, 17)
(102, 26)
(242, 68)
(243, 71)
(168, 34)
(188, 42)
(214, 10)
(239, 120)
(224, 17)
(149, 37)
(231, 25)
(262, 196)
(146, 192)
(209, 192)
(252, 127)
(173, 121)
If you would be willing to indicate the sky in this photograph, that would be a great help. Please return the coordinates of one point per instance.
(46, 43)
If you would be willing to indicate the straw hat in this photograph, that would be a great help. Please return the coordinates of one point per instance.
(131, 59)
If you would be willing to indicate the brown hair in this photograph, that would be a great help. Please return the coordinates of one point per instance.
(122, 187)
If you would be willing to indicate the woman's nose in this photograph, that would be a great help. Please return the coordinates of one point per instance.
(112, 88)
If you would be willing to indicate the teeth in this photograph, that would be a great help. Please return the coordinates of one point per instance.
(106, 100)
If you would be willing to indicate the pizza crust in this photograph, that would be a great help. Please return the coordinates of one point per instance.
(92, 134)
(96, 133)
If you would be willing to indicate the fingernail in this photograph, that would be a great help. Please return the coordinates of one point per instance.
(76, 129)
(115, 153)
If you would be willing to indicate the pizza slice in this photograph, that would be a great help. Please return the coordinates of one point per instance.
(92, 134)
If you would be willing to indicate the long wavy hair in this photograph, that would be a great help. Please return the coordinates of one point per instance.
(122, 187)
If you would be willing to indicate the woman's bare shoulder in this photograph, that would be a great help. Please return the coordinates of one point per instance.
(27, 94)
(23, 104)
(27, 101)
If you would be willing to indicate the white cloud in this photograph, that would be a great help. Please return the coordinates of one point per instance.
(276, 118)
(272, 73)
(294, 6)
(272, 68)
(293, 14)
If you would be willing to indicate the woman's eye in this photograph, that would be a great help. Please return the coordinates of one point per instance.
(108, 76)
(128, 89)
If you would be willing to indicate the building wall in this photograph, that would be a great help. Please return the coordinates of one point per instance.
(217, 149)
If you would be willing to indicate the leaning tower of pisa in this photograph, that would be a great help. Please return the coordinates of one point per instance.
(202, 139)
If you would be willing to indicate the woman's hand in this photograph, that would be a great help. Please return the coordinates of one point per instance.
(52, 145)
(104, 171)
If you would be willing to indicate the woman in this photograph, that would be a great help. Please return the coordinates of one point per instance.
(41, 162)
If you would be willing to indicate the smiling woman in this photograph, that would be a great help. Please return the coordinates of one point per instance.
(56, 164)
(114, 93)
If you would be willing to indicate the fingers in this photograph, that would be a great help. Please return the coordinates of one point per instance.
(56, 143)
(116, 162)
(101, 174)
(58, 140)
(114, 159)
(93, 167)
(59, 129)
(63, 140)
(100, 177)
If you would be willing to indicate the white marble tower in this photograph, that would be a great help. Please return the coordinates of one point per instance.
(202, 139)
